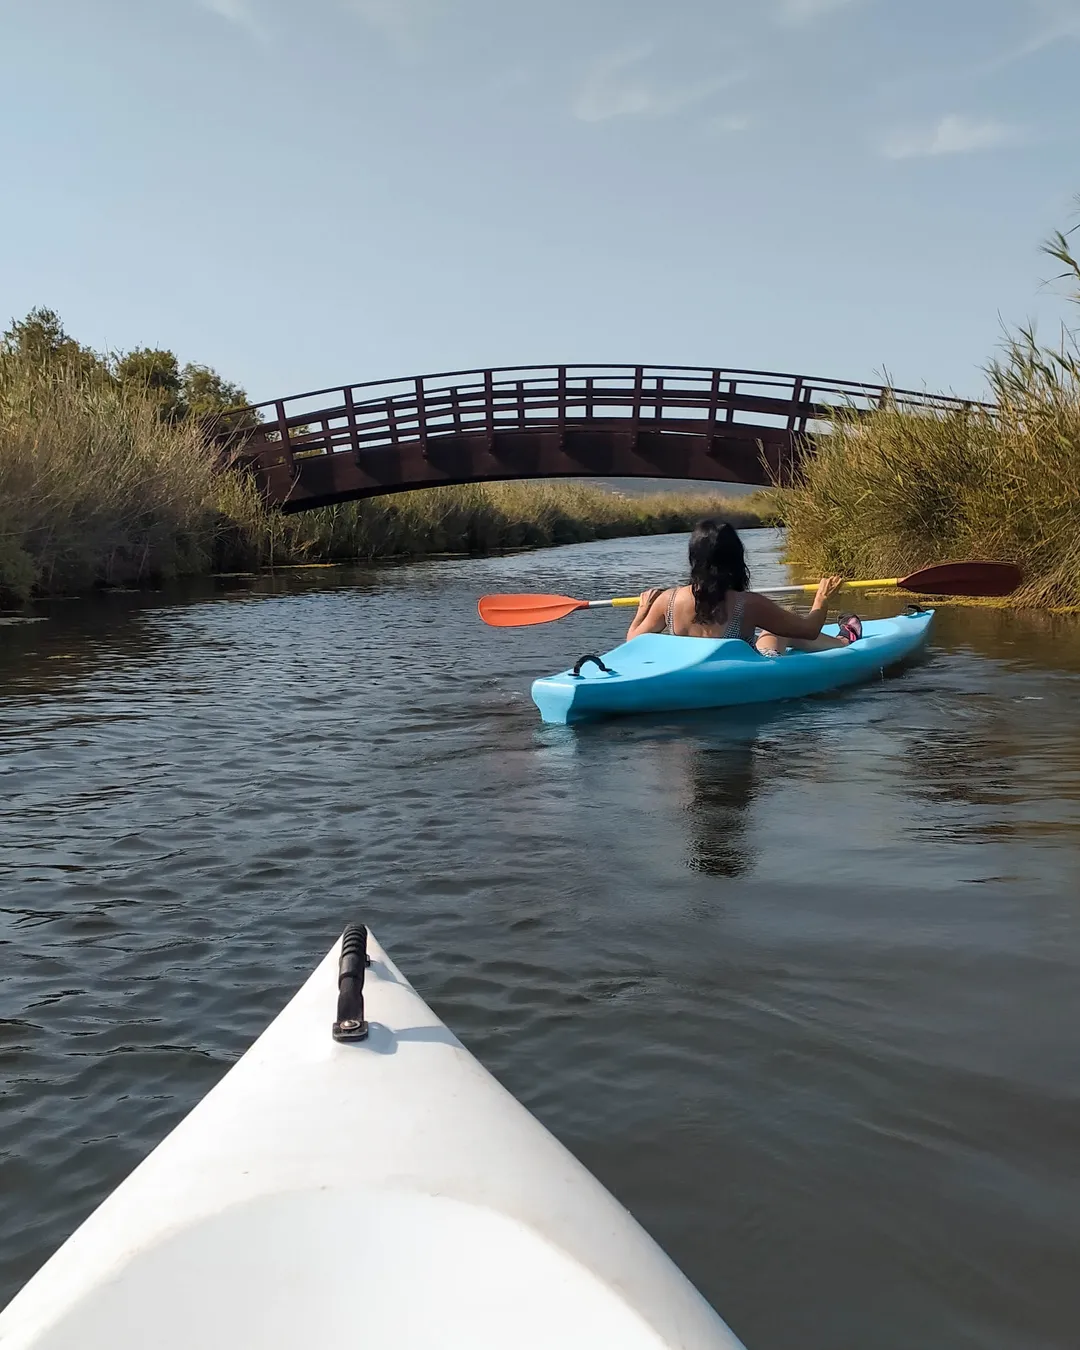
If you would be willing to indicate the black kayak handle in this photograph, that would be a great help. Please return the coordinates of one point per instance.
(353, 962)
(583, 660)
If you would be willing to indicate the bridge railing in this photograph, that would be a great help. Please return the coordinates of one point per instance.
(387, 414)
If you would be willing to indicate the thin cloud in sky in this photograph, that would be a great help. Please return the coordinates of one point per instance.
(730, 124)
(403, 23)
(239, 12)
(618, 85)
(953, 135)
(806, 11)
(510, 80)
(1050, 22)
(1055, 21)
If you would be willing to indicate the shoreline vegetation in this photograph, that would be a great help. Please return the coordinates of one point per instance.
(109, 478)
(893, 490)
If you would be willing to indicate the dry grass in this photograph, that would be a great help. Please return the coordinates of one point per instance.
(95, 488)
(489, 517)
(896, 490)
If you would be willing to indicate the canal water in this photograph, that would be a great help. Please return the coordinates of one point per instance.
(801, 985)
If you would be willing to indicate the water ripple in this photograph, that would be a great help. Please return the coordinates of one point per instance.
(798, 983)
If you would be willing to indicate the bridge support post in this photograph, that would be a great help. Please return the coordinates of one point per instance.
(796, 397)
(283, 432)
(350, 413)
(635, 408)
(710, 419)
(421, 415)
(489, 409)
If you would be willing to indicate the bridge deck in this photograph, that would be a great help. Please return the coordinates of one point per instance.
(521, 422)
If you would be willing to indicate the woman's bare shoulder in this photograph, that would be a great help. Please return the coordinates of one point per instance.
(754, 602)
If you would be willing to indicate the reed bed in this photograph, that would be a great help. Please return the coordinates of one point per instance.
(95, 488)
(894, 491)
(891, 491)
(493, 517)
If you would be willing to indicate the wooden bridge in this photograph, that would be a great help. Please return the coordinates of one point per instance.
(364, 440)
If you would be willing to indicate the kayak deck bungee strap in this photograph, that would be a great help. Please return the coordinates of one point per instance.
(353, 962)
(584, 660)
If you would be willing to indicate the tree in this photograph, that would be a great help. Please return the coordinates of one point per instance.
(157, 374)
(208, 394)
(194, 391)
(41, 339)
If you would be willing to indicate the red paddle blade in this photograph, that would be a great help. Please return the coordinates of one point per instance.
(515, 611)
(965, 578)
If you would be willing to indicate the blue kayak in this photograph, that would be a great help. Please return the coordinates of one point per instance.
(656, 672)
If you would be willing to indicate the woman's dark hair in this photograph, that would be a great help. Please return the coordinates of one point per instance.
(717, 565)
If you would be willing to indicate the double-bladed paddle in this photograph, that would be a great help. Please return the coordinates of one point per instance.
(954, 578)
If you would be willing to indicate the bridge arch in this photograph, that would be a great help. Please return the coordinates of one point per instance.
(718, 425)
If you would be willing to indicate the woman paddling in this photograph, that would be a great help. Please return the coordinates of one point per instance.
(717, 603)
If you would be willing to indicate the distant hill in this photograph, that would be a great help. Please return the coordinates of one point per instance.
(640, 487)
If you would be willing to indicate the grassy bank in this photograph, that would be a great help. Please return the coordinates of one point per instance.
(490, 517)
(897, 491)
(97, 488)
(893, 491)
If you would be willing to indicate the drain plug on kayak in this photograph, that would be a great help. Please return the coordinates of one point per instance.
(354, 960)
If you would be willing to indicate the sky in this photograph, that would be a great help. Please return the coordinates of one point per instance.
(304, 193)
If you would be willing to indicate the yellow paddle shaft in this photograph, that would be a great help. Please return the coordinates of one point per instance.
(627, 601)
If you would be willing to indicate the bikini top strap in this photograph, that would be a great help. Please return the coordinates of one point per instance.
(669, 616)
(734, 624)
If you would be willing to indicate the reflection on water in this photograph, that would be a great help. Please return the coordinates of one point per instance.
(720, 781)
(799, 983)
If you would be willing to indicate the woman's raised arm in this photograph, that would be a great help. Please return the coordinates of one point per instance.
(774, 618)
(650, 616)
